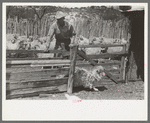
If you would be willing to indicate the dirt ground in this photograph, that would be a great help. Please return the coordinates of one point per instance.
(133, 90)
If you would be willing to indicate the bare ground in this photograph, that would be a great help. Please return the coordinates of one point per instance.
(133, 90)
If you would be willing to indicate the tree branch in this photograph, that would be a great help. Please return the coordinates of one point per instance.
(10, 8)
(35, 12)
(43, 12)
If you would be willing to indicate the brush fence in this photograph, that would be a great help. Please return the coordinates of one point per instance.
(27, 77)
(85, 25)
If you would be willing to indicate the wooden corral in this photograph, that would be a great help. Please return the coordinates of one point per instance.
(33, 76)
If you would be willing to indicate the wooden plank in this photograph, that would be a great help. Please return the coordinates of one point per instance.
(10, 66)
(34, 51)
(38, 61)
(46, 65)
(32, 58)
(106, 67)
(102, 64)
(106, 55)
(32, 92)
(38, 74)
(22, 69)
(31, 79)
(113, 70)
(115, 75)
(36, 84)
(73, 54)
(8, 97)
(79, 58)
(66, 54)
(57, 66)
(35, 80)
(101, 45)
(104, 61)
(82, 54)
(25, 71)
(111, 76)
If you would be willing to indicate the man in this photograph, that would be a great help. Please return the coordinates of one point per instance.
(62, 30)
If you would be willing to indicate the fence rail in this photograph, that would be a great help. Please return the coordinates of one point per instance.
(27, 77)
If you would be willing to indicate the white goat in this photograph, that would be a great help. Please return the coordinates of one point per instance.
(88, 51)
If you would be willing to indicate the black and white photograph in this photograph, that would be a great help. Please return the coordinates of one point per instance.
(75, 52)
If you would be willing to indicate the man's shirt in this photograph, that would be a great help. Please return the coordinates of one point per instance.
(61, 33)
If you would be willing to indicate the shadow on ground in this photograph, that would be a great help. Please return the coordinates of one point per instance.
(78, 89)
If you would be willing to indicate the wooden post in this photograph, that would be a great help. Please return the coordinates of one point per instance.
(126, 77)
(122, 68)
(123, 65)
(130, 64)
(73, 54)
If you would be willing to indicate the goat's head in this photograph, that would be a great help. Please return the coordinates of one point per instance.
(13, 41)
(81, 37)
(101, 39)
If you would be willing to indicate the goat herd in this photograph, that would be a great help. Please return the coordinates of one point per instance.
(15, 42)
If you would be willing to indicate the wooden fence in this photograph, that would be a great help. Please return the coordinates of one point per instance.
(33, 76)
(85, 26)
(115, 75)
(26, 77)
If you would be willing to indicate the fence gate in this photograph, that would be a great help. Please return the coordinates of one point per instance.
(80, 55)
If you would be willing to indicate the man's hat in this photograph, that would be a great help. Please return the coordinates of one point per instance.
(60, 14)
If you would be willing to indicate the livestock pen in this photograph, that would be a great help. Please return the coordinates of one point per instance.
(26, 77)
(33, 76)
